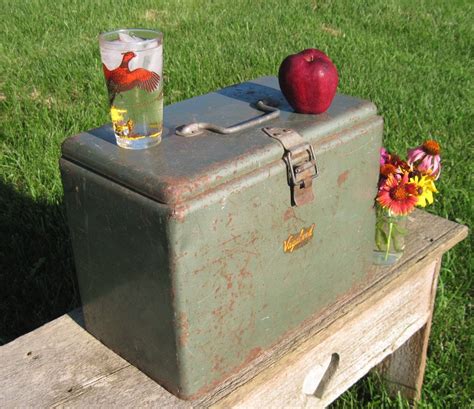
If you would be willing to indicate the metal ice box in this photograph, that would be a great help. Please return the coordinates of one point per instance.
(196, 256)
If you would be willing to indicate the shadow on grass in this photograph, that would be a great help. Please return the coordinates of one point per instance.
(37, 279)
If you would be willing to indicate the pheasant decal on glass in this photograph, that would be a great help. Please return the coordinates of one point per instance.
(121, 79)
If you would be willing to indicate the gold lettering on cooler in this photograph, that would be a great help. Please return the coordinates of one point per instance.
(295, 241)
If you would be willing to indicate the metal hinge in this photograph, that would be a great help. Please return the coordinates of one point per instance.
(300, 161)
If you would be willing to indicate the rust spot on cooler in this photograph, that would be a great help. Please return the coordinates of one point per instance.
(218, 364)
(342, 178)
(228, 278)
(289, 214)
(179, 213)
(244, 273)
(252, 355)
(183, 328)
(217, 312)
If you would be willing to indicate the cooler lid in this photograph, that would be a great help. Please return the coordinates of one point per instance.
(180, 168)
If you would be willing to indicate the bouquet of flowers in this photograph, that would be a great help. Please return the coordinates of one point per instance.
(403, 185)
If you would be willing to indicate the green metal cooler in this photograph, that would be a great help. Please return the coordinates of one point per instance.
(196, 256)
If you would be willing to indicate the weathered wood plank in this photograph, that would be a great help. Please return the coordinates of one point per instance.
(52, 362)
(67, 366)
(404, 370)
(126, 388)
(61, 364)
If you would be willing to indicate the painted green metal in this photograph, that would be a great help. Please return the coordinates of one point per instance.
(179, 249)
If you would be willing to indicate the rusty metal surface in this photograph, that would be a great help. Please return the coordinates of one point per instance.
(193, 290)
(239, 289)
(180, 168)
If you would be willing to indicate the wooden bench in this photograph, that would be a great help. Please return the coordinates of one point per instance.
(385, 326)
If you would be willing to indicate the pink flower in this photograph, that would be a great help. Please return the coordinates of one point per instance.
(384, 156)
(426, 158)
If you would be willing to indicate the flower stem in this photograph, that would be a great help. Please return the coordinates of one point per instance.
(390, 228)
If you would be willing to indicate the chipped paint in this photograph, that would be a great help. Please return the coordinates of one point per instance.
(182, 325)
(289, 214)
(341, 179)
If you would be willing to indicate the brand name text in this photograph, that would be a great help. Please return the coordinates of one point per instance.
(295, 241)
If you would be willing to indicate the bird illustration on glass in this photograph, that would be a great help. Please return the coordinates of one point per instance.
(123, 79)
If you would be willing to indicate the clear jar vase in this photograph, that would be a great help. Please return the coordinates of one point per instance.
(390, 232)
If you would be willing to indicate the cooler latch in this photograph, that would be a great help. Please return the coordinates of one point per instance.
(300, 161)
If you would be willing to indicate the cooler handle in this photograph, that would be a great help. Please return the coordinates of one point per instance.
(197, 128)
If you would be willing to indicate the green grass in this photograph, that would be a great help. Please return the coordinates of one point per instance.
(413, 59)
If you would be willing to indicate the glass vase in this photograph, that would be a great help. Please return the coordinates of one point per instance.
(390, 232)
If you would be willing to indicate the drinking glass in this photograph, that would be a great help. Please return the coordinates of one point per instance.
(132, 60)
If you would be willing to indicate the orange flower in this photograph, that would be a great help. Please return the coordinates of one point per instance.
(398, 195)
(387, 169)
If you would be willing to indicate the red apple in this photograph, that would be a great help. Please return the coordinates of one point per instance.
(308, 81)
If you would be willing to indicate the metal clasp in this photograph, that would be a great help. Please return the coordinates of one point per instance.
(300, 161)
(296, 172)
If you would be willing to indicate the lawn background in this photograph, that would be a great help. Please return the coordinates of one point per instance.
(413, 59)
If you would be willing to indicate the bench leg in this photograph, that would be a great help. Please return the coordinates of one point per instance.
(403, 371)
